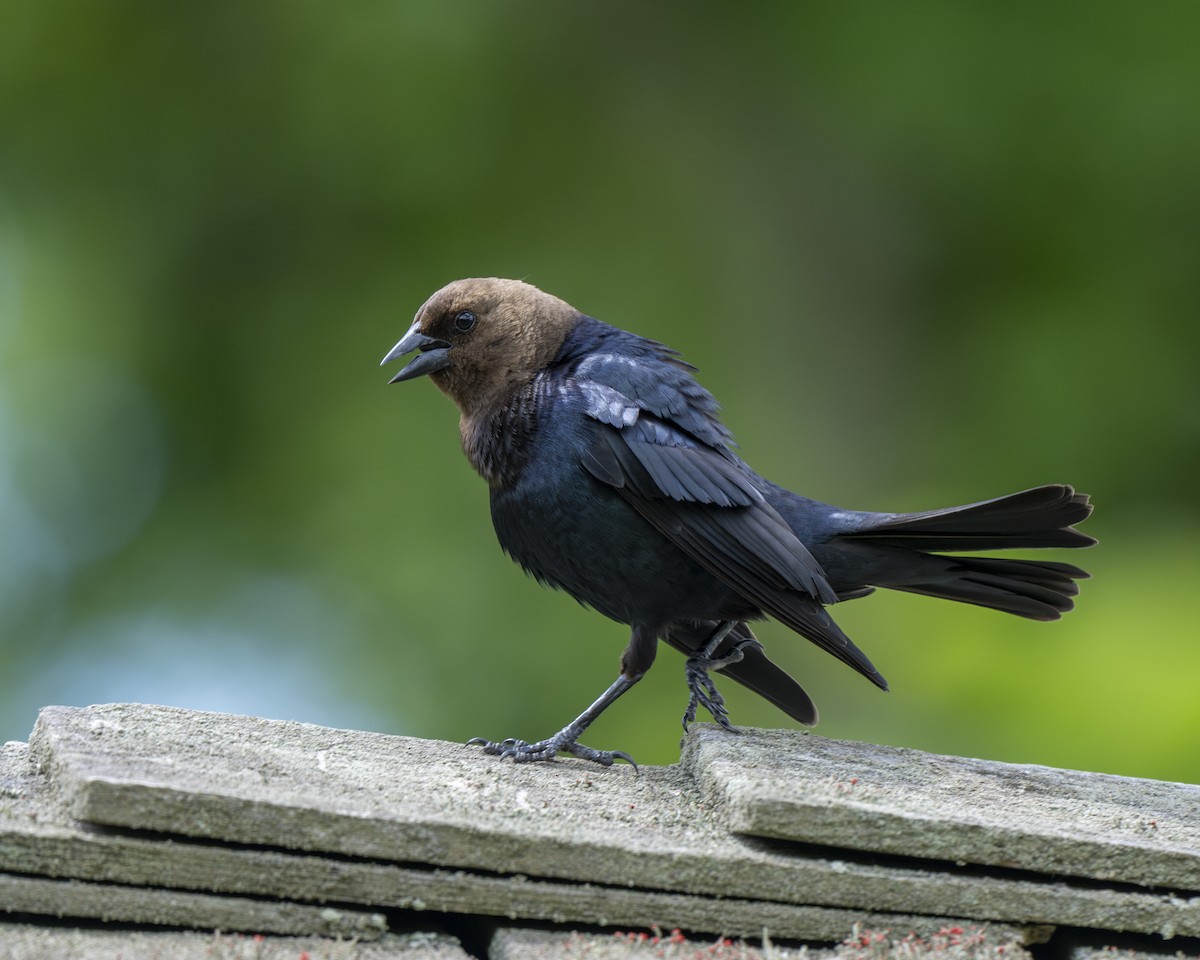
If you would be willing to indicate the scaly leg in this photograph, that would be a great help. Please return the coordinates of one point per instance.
(703, 691)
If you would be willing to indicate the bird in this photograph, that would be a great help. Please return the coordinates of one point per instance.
(612, 477)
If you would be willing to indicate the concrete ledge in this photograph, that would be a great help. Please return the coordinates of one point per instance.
(155, 815)
(20, 941)
(891, 800)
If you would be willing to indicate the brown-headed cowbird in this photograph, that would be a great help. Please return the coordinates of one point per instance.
(612, 478)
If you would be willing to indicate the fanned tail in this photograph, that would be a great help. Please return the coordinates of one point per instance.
(891, 550)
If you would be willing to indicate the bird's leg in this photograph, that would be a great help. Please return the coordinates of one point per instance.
(638, 656)
(567, 739)
(703, 691)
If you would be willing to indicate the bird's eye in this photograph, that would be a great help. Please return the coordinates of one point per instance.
(464, 320)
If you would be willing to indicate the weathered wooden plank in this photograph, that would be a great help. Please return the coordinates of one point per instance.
(1125, 952)
(775, 783)
(409, 801)
(111, 903)
(21, 941)
(444, 891)
(522, 943)
(980, 943)
(36, 838)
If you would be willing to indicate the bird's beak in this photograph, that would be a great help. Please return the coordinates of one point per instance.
(435, 354)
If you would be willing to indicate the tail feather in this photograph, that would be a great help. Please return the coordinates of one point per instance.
(1039, 517)
(900, 551)
(1037, 589)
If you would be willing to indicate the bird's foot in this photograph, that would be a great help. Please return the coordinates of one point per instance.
(704, 692)
(521, 751)
(567, 739)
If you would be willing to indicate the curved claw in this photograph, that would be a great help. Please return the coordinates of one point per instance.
(496, 748)
(605, 758)
(519, 750)
(622, 755)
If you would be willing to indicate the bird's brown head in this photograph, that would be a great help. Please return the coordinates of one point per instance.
(480, 340)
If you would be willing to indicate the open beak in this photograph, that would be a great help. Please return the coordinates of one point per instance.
(434, 355)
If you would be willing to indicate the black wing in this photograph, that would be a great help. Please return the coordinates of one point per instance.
(702, 499)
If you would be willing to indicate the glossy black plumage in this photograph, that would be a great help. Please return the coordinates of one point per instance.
(611, 477)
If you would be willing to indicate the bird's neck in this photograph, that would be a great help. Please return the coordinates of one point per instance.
(496, 438)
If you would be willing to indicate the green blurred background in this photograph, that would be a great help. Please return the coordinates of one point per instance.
(924, 253)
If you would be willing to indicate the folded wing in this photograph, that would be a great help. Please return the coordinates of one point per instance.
(702, 499)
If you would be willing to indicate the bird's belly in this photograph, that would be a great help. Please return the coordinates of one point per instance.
(582, 537)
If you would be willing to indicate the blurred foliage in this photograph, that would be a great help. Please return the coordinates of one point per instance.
(925, 253)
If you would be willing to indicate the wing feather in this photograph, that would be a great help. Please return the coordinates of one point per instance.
(705, 502)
